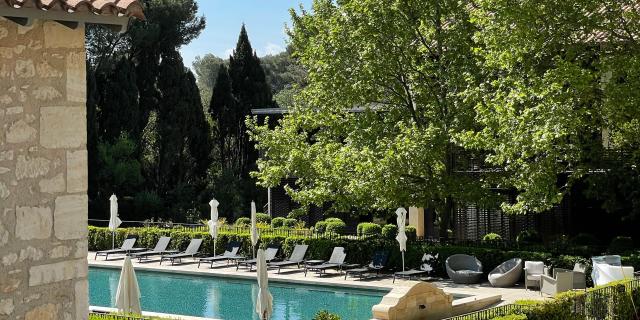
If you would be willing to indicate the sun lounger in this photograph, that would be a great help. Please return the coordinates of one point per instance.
(296, 258)
(192, 251)
(378, 263)
(160, 249)
(269, 255)
(335, 262)
(127, 247)
(231, 252)
(425, 268)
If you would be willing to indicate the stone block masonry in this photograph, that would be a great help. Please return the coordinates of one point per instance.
(43, 172)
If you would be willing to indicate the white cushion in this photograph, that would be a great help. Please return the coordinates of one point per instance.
(534, 267)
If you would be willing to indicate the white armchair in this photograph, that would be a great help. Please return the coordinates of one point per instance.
(563, 281)
(533, 271)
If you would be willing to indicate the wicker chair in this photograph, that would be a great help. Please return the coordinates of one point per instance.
(579, 275)
(464, 269)
(561, 282)
(533, 271)
(507, 274)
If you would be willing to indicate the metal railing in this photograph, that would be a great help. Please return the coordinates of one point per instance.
(106, 316)
(596, 304)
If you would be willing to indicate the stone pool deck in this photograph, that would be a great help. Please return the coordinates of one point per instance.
(332, 278)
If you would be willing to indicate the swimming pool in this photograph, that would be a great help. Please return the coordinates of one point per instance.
(231, 299)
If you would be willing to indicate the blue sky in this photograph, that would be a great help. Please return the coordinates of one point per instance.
(265, 21)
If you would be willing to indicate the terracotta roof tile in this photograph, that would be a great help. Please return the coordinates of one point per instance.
(129, 8)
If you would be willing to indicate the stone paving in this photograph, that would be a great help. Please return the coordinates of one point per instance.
(332, 278)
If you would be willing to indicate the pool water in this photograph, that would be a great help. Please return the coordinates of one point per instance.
(231, 299)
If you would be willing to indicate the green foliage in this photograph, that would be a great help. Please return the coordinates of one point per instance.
(325, 315)
(206, 70)
(491, 238)
(358, 250)
(621, 245)
(335, 226)
(512, 317)
(528, 237)
(263, 218)
(333, 220)
(277, 222)
(321, 226)
(368, 228)
(293, 223)
(118, 170)
(389, 231)
(393, 58)
(410, 231)
(243, 221)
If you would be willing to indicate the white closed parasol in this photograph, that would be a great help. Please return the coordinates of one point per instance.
(114, 221)
(264, 302)
(213, 223)
(402, 236)
(254, 228)
(128, 294)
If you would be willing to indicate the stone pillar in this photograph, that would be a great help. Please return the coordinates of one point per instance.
(43, 172)
(416, 219)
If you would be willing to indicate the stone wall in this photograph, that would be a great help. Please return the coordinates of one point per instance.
(43, 172)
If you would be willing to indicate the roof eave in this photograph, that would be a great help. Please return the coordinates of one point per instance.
(26, 16)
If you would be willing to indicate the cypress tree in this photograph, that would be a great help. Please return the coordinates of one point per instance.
(118, 103)
(223, 110)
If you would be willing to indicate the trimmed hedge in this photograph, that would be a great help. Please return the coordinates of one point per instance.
(389, 231)
(262, 218)
(368, 228)
(358, 250)
(243, 221)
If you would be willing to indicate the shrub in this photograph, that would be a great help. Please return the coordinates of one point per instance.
(621, 245)
(263, 218)
(389, 231)
(410, 231)
(243, 221)
(369, 228)
(333, 220)
(336, 227)
(277, 222)
(492, 238)
(528, 237)
(291, 223)
(512, 317)
(321, 226)
(325, 315)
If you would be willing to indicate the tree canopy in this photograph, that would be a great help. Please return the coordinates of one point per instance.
(461, 102)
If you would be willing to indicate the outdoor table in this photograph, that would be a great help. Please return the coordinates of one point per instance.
(313, 262)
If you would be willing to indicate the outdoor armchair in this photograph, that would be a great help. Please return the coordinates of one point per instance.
(561, 282)
(463, 268)
(579, 275)
(506, 274)
(533, 271)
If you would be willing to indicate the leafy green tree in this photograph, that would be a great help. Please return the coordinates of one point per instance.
(283, 71)
(406, 65)
(206, 69)
(557, 75)
(118, 169)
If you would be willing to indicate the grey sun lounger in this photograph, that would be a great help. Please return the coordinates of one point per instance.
(425, 268)
(160, 249)
(378, 263)
(336, 261)
(296, 258)
(229, 254)
(269, 255)
(127, 247)
(192, 251)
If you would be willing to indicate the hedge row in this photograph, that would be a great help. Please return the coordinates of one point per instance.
(618, 300)
(358, 250)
